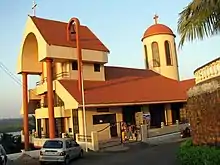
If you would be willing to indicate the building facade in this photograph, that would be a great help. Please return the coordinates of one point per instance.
(112, 94)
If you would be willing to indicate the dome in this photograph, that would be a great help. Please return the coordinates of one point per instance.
(157, 29)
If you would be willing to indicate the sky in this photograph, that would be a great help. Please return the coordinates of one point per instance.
(118, 24)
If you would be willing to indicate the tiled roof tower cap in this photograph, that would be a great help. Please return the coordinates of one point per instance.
(157, 29)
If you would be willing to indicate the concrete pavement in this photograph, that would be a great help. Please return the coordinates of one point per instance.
(141, 154)
(138, 153)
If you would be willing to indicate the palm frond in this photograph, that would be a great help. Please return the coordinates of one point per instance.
(198, 20)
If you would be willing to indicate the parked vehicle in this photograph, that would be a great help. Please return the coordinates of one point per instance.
(61, 150)
(185, 131)
(3, 156)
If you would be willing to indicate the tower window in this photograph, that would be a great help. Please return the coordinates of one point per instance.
(146, 57)
(155, 54)
(74, 65)
(168, 53)
(97, 67)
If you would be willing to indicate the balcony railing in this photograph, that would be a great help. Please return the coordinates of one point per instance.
(45, 105)
(55, 77)
(207, 71)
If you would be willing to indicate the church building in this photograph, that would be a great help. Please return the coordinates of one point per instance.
(112, 94)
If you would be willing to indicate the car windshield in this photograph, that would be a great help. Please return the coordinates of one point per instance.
(53, 144)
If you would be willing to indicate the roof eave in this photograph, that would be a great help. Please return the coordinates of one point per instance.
(134, 103)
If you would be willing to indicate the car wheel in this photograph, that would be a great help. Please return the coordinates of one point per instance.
(66, 161)
(81, 154)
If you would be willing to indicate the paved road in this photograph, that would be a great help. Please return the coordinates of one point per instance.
(163, 154)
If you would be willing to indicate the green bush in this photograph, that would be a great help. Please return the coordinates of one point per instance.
(198, 155)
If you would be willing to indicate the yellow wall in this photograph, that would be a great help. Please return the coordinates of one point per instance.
(167, 71)
(65, 96)
(59, 112)
(32, 48)
(68, 53)
(63, 70)
(89, 122)
(88, 73)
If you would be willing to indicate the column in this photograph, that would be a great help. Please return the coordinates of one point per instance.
(59, 72)
(43, 128)
(80, 121)
(168, 114)
(66, 121)
(71, 121)
(25, 110)
(50, 98)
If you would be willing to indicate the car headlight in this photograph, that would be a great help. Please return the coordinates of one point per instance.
(63, 153)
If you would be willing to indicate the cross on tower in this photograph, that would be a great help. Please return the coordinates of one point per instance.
(34, 8)
(156, 18)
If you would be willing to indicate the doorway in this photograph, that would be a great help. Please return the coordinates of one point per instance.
(129, 114)
(175, 112)
(113, 125)
(157, 115)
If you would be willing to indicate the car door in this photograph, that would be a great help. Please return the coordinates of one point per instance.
(69, 149)
(75, 149)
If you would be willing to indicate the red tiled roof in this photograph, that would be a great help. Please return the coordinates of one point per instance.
(54, 33)
(130, 89)
(186, 84)
(112, 72)
(157, 29)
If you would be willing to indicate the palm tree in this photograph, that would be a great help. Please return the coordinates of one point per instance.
(199, 19)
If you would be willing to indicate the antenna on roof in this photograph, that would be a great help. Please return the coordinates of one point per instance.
(34, 8)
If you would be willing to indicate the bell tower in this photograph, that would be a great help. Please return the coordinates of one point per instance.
(160, 50)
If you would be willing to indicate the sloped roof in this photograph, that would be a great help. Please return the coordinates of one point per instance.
(54, 33)
(113, 72)
(131, 89)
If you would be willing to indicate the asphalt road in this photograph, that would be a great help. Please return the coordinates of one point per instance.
(163, 154)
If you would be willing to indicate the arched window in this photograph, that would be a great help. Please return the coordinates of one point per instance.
(155, 54)
(146, 57)
(168, 53)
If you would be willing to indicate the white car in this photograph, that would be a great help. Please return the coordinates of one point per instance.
(3, 156)
(60, 150)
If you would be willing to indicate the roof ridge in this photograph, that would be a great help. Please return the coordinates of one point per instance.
(115, 82)
(52, 20)
(128, 68)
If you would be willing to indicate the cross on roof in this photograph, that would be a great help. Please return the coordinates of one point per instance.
(34, 8)
(156, 18)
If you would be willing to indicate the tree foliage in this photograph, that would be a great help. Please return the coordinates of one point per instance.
(199, 19)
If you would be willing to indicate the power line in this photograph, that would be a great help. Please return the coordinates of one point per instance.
(11, 75)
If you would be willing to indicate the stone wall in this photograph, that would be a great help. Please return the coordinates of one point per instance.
(203, 111)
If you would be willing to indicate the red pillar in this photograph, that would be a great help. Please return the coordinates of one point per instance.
(25, 110)
(50, 98)
(74, 22)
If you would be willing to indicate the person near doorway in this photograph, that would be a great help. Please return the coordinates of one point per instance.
(129, 134)
(123, 131)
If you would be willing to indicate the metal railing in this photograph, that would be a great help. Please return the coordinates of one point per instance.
(82, 138)
(45, 105)
(55, 77)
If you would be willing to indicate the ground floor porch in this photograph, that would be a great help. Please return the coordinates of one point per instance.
(108, 121)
